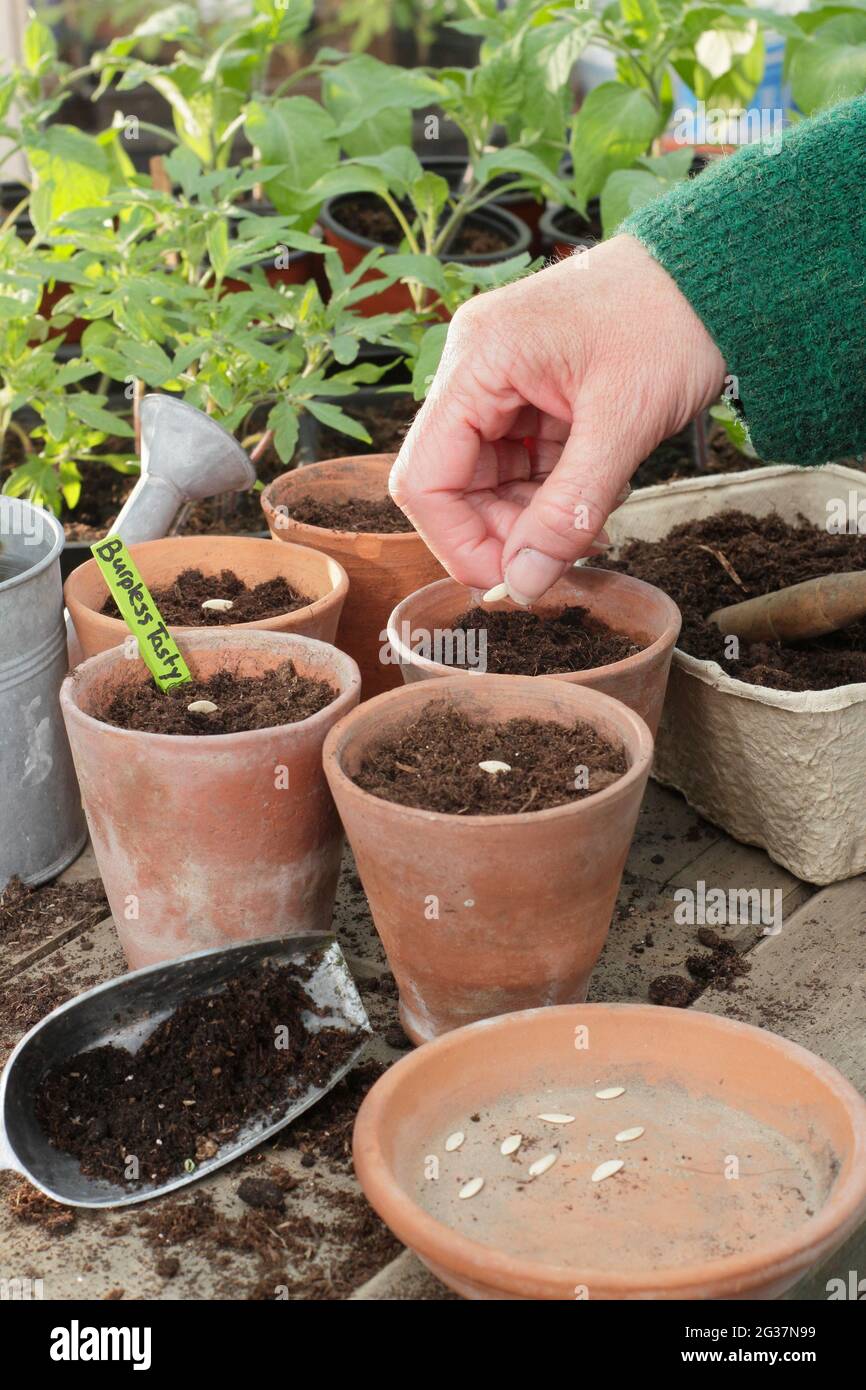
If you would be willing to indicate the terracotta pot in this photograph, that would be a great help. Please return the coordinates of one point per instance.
(520, 904)
(662, 1228)
(202, 841)
(382, 569)
(353, 247)
(639, 610)
(254, 561)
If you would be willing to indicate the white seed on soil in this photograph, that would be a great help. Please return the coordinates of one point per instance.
(454, 1141)
(607, 1170)
(541, 1165)
(499, 591)
(511, 1144)
(557, 1119)
(471, 1188)
(202, 707)
(610, 1093)
(625, 1136)
(218, 605)
(493, 765)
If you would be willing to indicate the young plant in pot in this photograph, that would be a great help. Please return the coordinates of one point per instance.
(716, 51)
(490, 821)
(56, 438)
(381, 194)
(208, 809)
(254, 359)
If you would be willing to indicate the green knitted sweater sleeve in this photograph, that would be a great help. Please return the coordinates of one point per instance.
(769, 248)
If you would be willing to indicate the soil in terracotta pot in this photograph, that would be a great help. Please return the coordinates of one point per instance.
(281, 696)
(373, 514)
(693, 564)
(386, 420)
(195, 1082)
(367, 216)
(181, 602)
(433, 763)
(532, 644)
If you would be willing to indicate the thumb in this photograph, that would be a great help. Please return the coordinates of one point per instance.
(565, 519)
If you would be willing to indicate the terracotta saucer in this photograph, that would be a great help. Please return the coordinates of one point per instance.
(751, 1166)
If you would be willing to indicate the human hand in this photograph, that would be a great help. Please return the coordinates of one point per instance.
(549, 394)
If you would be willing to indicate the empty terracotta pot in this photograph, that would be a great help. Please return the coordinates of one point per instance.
(642, 612)
(480, 915)
(750, 1164)
(202, 841)
(382, 569)
(253, 561)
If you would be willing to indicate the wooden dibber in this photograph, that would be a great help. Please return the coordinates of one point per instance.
(801, 611)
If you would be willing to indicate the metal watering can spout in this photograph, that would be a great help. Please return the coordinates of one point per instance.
(185, 456)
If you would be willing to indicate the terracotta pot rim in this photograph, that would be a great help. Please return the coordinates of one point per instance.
(492, 1267)
(344, 668)
(328, 532)
(337, 592)
(640, 746)
(611, 578)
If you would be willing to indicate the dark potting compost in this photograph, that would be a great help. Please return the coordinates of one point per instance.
(367, 216)
(533, 644)
(377, 515)
(280, 696)
(194, 1083)
(181, 602)
(386, 420)
(730, 557)
(433, 764)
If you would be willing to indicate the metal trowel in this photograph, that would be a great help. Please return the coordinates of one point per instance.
(125, 1011)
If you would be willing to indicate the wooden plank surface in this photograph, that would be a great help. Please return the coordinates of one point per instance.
(806, 983)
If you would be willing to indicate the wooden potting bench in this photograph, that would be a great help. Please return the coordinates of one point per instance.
(807, 983)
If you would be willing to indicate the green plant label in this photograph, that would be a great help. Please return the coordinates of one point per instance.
(157, 647)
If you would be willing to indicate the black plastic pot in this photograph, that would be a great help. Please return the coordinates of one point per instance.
(559, 239)
(352, 247)
(315, 444)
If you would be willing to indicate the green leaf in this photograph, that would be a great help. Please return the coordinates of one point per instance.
(516, 160)
(71, 171)
(38, 46)
(283, 420)
(830, 63)
(299, 134)
(337, 419)
(372, 103)
(84, 407)
(615, 124)
(427, 360)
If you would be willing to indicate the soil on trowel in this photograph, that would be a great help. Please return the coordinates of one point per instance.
(377, 515)
(434, 764)
(281, 696)
(730, 557)
(195, 1082)
(533, 644)
(181, 602)
(367, 216)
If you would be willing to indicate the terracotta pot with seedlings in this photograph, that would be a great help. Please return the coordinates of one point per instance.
(383, 565)
(484, 913)
(204, 837)
(623, 636)
(210, 581)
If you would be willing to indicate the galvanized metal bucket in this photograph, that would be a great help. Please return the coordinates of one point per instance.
(42, 825)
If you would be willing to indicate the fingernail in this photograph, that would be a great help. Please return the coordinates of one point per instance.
(530, 574)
